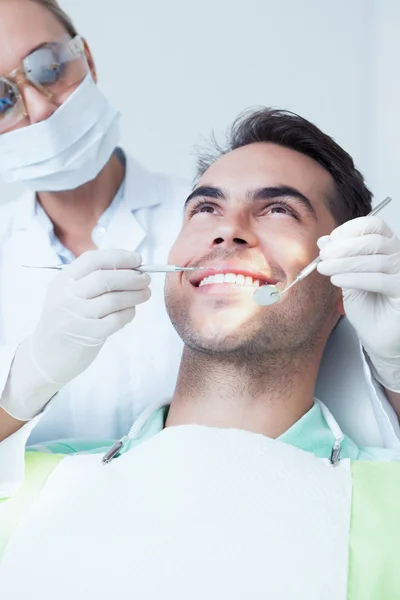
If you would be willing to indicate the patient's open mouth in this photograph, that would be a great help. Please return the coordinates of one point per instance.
(231, 275)
(239, 279)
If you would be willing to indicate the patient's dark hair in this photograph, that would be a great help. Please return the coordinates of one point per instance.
(350, 197)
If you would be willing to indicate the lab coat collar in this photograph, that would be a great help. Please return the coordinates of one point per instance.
(141, 191)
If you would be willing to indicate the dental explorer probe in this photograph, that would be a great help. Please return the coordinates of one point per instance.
(141, 269)
(266, 295)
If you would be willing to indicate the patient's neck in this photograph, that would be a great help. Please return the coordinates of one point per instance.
(267, 398)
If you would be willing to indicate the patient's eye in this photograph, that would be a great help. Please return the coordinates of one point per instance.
(202, 206)
(280, 208)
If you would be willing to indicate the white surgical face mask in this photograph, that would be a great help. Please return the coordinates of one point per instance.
(66, 150)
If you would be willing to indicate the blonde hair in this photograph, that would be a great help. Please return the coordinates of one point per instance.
(60, 14)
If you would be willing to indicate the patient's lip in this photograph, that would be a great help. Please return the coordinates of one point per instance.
(246, 269)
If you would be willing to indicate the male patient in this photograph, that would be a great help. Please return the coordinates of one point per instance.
(244, 486)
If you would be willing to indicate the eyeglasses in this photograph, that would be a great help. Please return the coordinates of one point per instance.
(52, 70)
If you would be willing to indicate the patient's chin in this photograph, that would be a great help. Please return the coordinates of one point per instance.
(218, 337)
(223, 324)
(214, 345)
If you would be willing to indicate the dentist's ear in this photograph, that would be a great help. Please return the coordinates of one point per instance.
(90, 60)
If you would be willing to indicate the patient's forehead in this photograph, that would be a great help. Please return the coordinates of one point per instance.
(266, 164)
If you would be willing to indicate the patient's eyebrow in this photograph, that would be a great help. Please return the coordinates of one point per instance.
(282, 191)
(257, 195)
(205, 191)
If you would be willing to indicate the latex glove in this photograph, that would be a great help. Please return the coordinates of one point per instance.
(85, 304)
(362, 257)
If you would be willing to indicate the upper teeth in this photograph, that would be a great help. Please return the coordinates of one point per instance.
(230, 278)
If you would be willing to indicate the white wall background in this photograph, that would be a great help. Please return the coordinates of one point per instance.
(178, 68)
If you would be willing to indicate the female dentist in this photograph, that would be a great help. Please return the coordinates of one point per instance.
(59, 136)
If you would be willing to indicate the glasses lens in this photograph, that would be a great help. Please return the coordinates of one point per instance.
(57, 66)
(11, 108)
(8, 98)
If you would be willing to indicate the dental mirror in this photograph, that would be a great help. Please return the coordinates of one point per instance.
(266, 295)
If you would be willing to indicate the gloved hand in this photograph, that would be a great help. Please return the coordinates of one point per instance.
(85, 304)
(362, 257)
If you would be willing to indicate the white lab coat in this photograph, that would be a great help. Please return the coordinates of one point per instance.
(138, 365)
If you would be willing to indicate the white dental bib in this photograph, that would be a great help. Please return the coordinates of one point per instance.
(193, 513)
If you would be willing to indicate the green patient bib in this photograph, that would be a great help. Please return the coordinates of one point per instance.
(374, 543)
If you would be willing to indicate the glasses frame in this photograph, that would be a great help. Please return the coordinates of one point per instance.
(18, 77)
